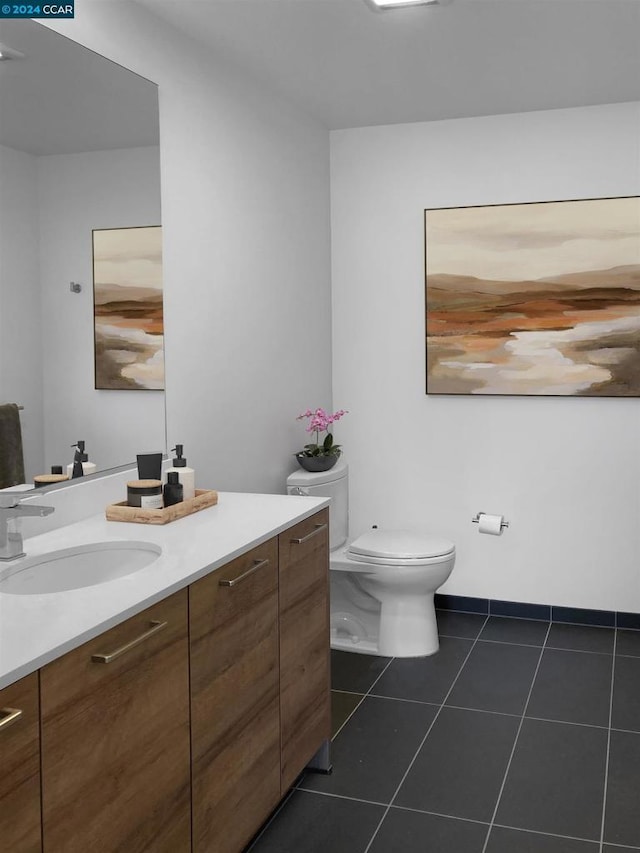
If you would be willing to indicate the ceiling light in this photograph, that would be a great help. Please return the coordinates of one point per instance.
(393, 4)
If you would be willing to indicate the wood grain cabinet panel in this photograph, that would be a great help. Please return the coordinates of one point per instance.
(234, 700)
(115, 739)
(20, 829)
(305, 699)
(179, 730)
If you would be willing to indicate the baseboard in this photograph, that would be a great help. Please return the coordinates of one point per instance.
(544, 612)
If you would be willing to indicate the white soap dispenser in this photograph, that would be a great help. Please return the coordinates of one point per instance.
(187, 476)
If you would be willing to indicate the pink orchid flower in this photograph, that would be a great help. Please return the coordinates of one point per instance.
(320, 421)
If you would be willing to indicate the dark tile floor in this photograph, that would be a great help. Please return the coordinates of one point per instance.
(519, 736)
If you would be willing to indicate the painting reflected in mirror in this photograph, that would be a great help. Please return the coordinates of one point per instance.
(127, 298)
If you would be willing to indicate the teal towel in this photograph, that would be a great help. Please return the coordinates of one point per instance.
(11, 455)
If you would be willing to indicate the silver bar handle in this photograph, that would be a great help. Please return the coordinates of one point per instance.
(257, 564)
(9, 716)
(319, 528)
(154, 627)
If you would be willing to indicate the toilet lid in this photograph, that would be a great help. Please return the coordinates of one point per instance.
(400, 544)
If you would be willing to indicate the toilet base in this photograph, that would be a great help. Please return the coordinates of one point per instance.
(366, 647)
(369, 617)
(362, 647)
(408, 627)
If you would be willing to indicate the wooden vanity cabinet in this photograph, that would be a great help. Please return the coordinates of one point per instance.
(305, 690)
(20, 830)
(115, 739)
(179, 730)
(234, 700)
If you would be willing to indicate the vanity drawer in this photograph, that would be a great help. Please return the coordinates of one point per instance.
(115, 739)
(20, 830)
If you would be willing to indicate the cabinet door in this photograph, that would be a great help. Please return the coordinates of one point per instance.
(305, 698)
(234, 700)
(20, 824)
(115, 739)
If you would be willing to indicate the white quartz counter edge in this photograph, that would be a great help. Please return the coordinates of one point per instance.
(36, 629)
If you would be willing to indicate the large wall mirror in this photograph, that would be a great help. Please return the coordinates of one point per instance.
(79, 153)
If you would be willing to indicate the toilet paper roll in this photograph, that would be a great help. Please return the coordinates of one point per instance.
(490, 524)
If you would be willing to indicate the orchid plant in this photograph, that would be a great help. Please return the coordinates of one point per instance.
(320, 421)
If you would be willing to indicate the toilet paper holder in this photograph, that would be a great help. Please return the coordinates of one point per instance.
(476, 520)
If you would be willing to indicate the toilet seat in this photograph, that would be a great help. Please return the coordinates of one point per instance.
(399, 548)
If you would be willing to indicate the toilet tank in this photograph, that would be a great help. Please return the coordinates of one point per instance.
(332, 484)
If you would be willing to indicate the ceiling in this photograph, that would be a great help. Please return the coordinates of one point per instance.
(61, 98)
(351, 66)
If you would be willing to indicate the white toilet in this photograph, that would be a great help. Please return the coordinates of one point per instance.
(382, 583)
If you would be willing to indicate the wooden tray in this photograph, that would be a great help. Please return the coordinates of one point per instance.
(137, 515)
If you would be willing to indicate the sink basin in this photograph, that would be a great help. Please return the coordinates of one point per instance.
(73, 568)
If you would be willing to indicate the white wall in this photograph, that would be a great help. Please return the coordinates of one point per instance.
(564, 471)
(245, 212)
(77, 193)
(20, 317)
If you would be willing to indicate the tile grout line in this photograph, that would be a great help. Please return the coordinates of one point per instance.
(438, 814)
(438, 704)
(535, 646)
(341, 797)
(422, 742)
(391, 660)
(364, 696)
(497, 713)
(578, 651)
(541, 645)
(545, 834)
(566, 723)
(606, 766)
(348, 692)
(515, 743)
(503, 642)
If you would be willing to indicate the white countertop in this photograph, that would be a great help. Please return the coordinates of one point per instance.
(36, 629)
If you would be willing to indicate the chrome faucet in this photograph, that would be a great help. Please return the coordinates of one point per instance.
(11, 511)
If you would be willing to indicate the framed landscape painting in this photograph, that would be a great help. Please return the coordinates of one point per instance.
(127, 302)
(536, 299)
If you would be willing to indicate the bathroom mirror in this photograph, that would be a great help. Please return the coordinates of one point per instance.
(79, 152)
